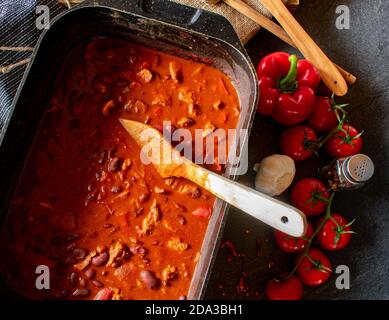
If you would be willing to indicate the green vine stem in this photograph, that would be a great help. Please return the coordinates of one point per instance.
(333, 132)
(306, 251)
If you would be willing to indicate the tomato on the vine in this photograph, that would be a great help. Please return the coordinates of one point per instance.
(314, 268)
(291, 244)
(323, 90)
(298, 142)
(323, 118)
(335, 233)
(289, 289)
(311, 196)
(345, 143)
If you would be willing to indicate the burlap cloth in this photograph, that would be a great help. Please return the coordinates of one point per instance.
(244, 27)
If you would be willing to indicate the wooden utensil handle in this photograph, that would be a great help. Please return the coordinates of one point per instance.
(271, 211)
(329, 73)
(275, 29)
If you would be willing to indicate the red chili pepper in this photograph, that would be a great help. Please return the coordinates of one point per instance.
(287, 88)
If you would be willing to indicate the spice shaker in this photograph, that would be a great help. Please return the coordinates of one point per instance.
(348, 173)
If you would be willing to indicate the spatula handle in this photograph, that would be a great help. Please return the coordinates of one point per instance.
(329, 73)
(271, 211)
(278, 31)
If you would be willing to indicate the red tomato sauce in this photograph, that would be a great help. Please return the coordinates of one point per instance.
(106, 225)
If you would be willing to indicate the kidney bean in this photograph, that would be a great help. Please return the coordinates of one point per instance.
(70, 247)
(181, 219)
(74, 278)
(101, 259)
(138, 250)
(138, 212)
(182, 297)
(97, 283)
(72, 237)
(112, 152)
(114, 165)
(120, 98)
(144, 197)
(102, 83)
(104, 294)
(149, 279)
(90, 273)
(93, 235)
(80, 253)
(81, 293)
(121, 82)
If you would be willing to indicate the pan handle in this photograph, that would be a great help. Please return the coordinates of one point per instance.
(198, 20)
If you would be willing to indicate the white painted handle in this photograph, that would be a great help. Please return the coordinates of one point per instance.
(275, 213)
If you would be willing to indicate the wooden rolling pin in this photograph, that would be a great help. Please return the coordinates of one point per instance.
(275, 29)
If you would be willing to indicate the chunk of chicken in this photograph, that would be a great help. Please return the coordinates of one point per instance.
(175, 73)
(84, 263)
(170, 273)
(162, 100)
(186, 95)
(124, 271)
(151, 219)
(185, 122)
(135, 106)
(145, 75)
(177, 244)
(118, 252)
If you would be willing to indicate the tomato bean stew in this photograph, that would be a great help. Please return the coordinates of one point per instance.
(106, 225)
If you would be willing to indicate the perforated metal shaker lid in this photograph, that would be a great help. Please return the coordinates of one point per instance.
(359, 168)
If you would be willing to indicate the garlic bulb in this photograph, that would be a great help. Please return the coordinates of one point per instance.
(274, 174)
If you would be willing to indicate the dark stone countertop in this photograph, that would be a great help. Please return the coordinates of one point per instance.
(364, 51)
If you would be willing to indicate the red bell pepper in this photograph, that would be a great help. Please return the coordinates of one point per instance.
(287, 88)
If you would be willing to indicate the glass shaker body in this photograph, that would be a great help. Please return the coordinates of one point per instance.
(348, 173)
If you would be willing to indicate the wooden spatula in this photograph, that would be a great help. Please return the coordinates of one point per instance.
(329, 73)
(275, 29)
(169, 163)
